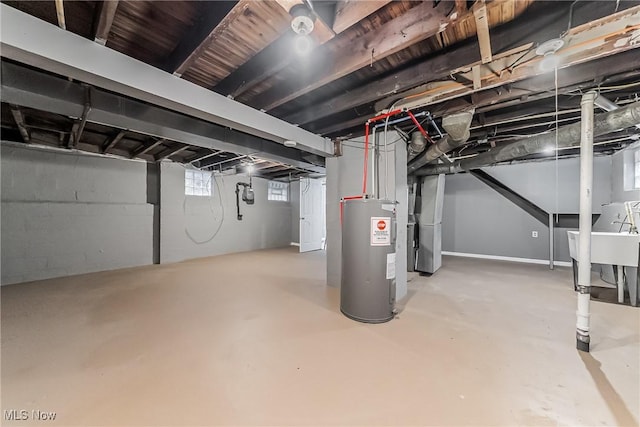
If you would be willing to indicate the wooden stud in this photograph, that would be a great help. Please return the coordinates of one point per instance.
(105, 20)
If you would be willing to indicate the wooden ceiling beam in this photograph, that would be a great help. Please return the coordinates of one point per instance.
(170, 152)
(110, 143)
(597, 39)
(18, 117)
(145, 148)
(321, 31)
(216, 17)
(482, 29)
(539, 25)
(350, 12)
(461, 7)
(104, 20)
(578, 78)
(60, 14)
(279, 55)
(417, 24)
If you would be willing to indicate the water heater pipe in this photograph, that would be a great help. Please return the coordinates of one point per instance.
(366, 138)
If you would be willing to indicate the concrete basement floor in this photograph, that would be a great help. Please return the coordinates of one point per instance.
(257, 339)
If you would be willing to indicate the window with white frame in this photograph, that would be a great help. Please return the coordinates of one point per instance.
(197, 183)
(636, 169)
(278, 191)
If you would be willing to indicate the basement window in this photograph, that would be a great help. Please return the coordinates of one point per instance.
(197, 183)
(278, 191)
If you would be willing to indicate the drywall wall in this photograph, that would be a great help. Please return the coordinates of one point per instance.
(344, 178)
(478, 220)
(294, 198)
(622, 175)
(193, 226)
(66, 213)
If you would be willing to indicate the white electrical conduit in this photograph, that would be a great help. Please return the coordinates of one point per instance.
(586, 208)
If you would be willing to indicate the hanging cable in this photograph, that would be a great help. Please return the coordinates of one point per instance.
(215, 233)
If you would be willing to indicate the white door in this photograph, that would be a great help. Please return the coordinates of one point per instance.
(311, 214)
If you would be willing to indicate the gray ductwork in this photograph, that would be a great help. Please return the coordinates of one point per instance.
(568, 136)
(418, 143)
(457, 128)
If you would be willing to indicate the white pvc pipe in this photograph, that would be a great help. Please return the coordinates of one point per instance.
(584, 250)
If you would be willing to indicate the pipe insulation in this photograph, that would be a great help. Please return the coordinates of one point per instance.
(457, 127)
(568, 136)
(586, 208)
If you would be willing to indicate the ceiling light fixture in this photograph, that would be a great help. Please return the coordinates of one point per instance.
(290, 143)
(548, 51)
(302, 25)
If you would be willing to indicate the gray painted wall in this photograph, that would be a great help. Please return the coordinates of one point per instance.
(622, 175)
(67, 213)
(344, 178)
(266, 224)
(294, 197)
(478, 220)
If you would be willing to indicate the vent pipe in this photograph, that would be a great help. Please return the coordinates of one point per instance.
(457, 127)
(586, 208)
(622, 118)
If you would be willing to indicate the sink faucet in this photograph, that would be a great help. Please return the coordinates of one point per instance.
(632, 221)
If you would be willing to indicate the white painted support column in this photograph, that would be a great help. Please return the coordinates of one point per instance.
(551, 242)
(620, 284)
(584, 248)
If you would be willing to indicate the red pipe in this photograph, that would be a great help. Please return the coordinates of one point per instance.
(366, 142)
(419, 126)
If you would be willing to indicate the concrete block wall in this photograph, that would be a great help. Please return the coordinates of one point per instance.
(70, 213)
(478, 220)
(194, 227)
(622, 171)
(67, 213)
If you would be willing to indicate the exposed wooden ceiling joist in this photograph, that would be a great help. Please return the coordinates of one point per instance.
(60, 14)
(546, 25)
(170, 152)
(216, 17)
(580, 77)
(109, 144)
(418, 24)
(597, 39)
(461, 7)
(350, 12)
(482, 28)
(145, 148)
(107, 11)
(19, 119)
(280, 55)
(321, 32)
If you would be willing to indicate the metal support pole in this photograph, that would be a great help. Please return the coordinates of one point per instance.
(584, 253)
(551, 241)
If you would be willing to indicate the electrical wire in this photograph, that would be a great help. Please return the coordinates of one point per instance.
(215, 233)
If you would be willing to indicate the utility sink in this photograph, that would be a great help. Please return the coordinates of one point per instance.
(608, 248)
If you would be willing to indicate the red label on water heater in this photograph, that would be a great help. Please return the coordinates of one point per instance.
(380, 231)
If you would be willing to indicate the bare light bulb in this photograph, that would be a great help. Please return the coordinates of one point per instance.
(549, 62)
(303, 44)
